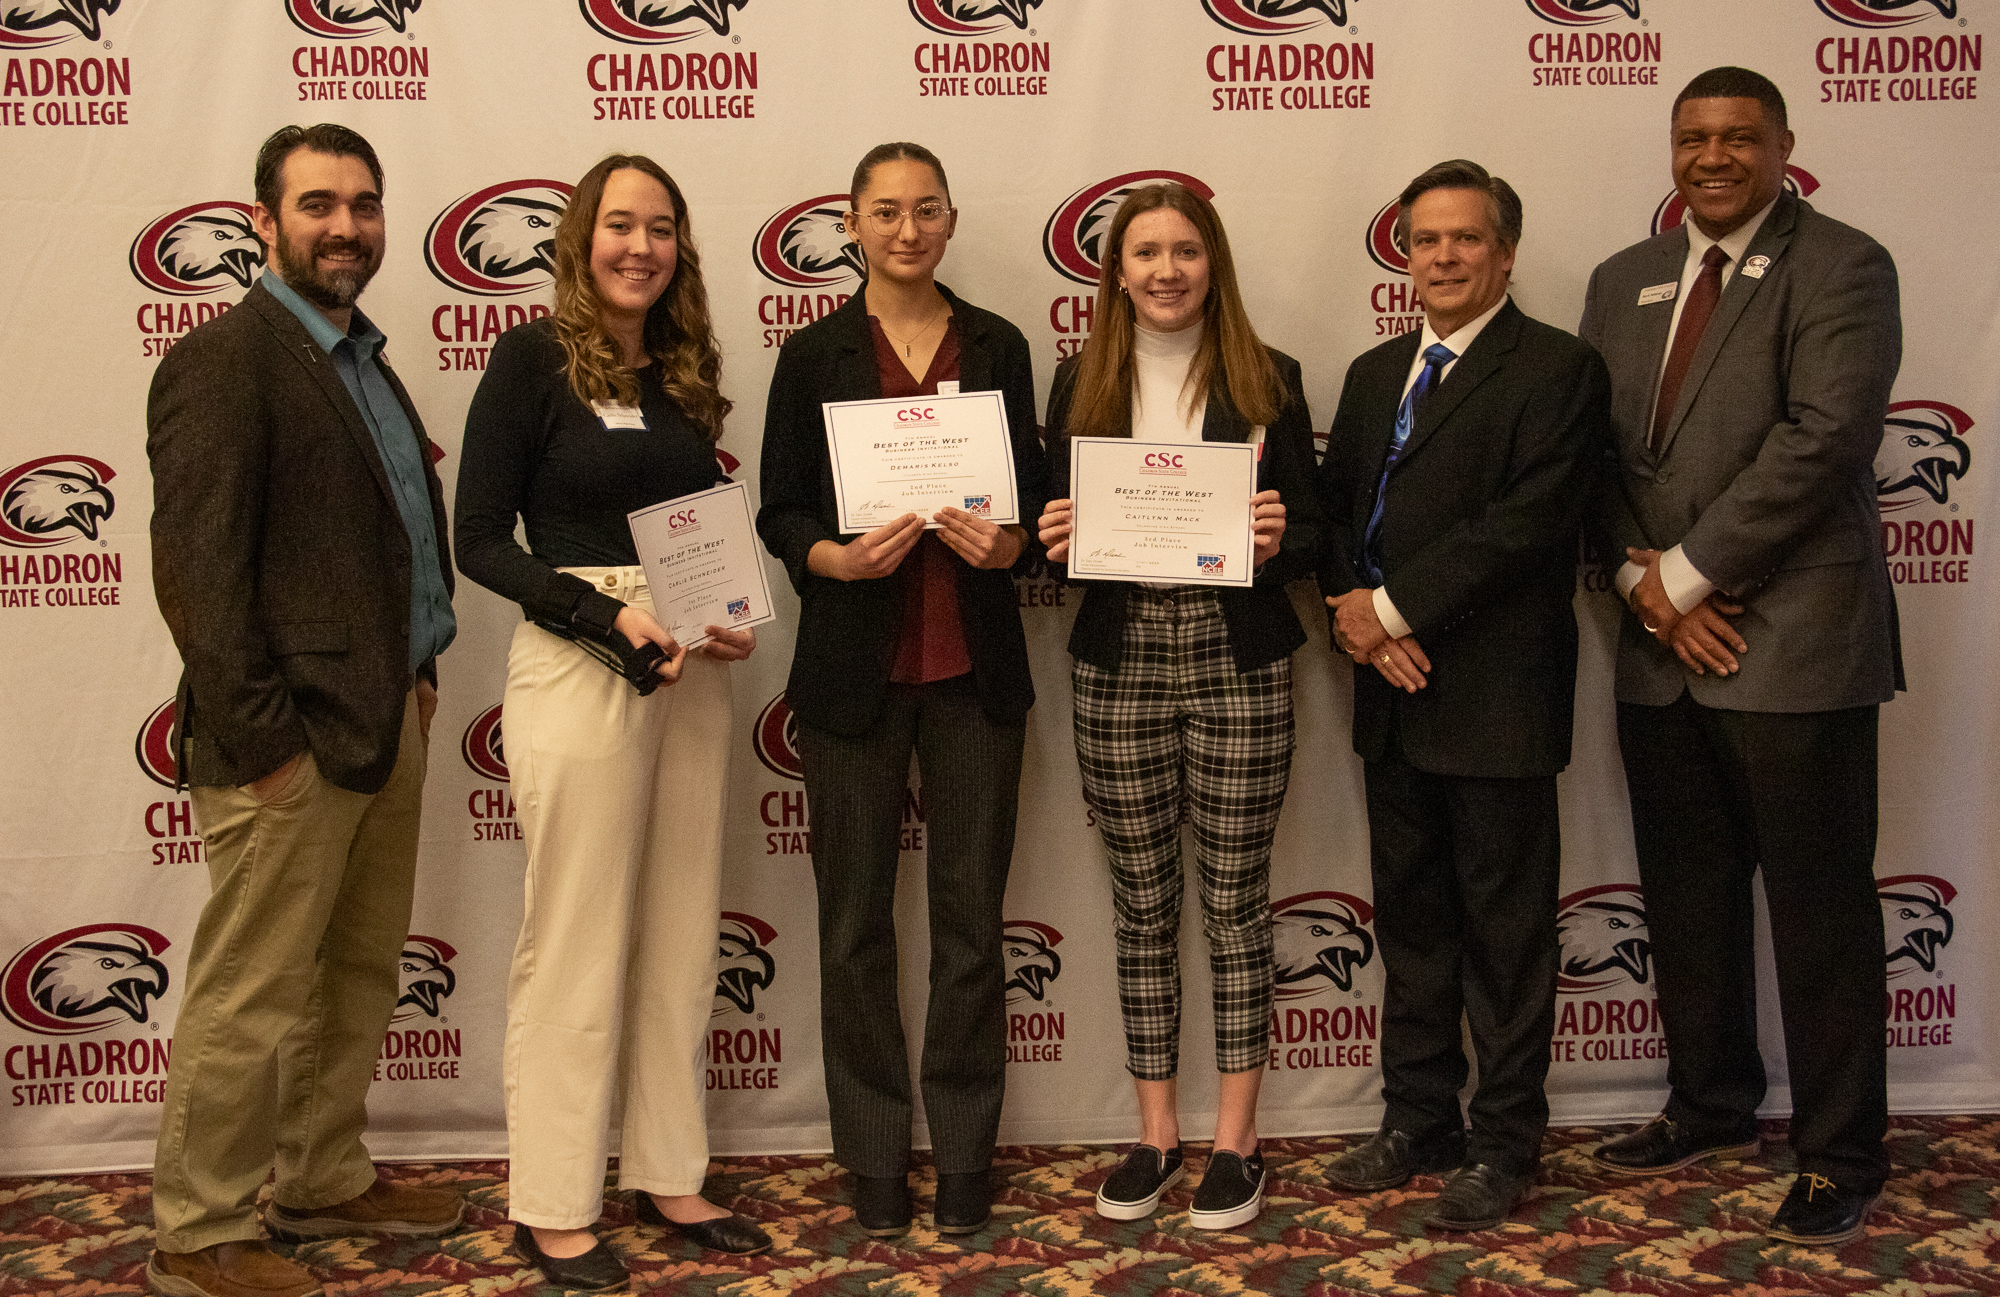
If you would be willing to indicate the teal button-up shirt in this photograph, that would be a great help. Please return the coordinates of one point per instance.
(356, 357)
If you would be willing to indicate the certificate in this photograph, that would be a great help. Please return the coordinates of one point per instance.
(920, 455)
(1172, 512)
(703, 564)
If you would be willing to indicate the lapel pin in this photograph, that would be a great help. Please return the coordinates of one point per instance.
(1756, 266)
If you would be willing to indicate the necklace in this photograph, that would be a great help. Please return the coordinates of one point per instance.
(943, 312)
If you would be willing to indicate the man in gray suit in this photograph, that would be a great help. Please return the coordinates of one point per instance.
(1752, 351)
(300, 561)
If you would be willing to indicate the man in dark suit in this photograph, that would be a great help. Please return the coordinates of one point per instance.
(1752, 350)
(300, 561)
(1454, 484)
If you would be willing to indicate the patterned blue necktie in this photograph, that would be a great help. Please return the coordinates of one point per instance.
(1436, 357)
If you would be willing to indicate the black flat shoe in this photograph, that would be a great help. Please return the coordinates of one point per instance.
(882, 1204)
(1663, 1145)
(731, 1234)
(1819, 1213)
(1392, 1156)
(964, 1202)
(1478, 1196)
(598, 1270)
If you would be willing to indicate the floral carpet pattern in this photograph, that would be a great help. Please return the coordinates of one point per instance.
(1578, 1233)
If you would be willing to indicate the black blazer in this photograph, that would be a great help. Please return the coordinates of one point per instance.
(280, 560)
(847, 629)
(1262, 625)
(1480, 532)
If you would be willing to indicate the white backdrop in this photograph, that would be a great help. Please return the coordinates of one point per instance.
(128, 128)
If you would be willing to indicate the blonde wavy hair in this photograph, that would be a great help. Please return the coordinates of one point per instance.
(678, 336)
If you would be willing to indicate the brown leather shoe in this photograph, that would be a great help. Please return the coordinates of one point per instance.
(241, 1269)
(404, 1210)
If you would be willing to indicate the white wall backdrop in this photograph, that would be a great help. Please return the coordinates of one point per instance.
(128, 127)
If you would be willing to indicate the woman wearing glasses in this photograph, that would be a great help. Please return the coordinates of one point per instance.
(908, 639)
(1184, 693)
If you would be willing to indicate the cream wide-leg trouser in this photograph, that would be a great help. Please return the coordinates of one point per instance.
(620, 800)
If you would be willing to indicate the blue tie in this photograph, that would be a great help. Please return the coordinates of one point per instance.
(1436, 357)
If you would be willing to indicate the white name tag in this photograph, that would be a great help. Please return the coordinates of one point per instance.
(1756, 266)
(1659, 293)
(614, 415)
(949, 387)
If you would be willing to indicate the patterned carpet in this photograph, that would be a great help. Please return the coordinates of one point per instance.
(1577, 1233)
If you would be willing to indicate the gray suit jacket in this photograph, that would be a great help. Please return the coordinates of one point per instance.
(1766, 474)
(280, 561)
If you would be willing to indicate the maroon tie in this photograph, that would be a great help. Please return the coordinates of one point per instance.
(1700, 305)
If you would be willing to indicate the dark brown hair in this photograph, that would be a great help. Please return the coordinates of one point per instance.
(1231, 361)
(898, 151)
(1502, 203)
(678, 333)
(329, 138)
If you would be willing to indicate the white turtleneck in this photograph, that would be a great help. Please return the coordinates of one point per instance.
(1160, 405)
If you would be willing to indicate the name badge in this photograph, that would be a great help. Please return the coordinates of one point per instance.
(1659, 293)
(1756, 266)
(949, 387)
(614, 415)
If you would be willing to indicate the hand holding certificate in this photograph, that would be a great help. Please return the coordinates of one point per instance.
(703, 564)
(1162, 511)
(921, 455)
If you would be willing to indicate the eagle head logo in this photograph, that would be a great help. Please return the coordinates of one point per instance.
(1388, 246)
(52, 500)
(808, 245)
(1032, 962)
(972, 17)
(1582, 13)
(743, 964)
(1602, 931)
(776, 739)
(1319, 939)
(154, 747)
(1799, 183)
(1074, 237)
(1885, 13)
(423, 977)
(1916, 920)
(348, 19)
(1923, 449)
(84, 979)
(1275, 17)
(481, 746)
(30, 24)
(652, 22)
(198, 249)
(500, 240)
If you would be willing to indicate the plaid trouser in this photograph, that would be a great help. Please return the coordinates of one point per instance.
(1176, 727)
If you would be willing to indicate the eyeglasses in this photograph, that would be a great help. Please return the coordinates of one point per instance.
(930, 217)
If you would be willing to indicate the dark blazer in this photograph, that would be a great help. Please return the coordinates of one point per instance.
(847, 629)
(1480, 533)
(1262, 626)
(1766, 476)
(280, 561)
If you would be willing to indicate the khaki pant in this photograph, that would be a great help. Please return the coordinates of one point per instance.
(289, 986)
(620, 801)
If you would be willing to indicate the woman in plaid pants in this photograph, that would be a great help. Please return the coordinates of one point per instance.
(1184, 693)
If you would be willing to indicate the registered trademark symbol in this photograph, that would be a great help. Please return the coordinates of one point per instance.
(1954, 508)
(107, 44)
(735, 40)
(760, 1017)
(1353, 31)
(1031, 31)
(153, 1025)
(1645, 22)
(409, 36)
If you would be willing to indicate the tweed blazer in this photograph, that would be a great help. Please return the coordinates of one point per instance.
(1481, 519)
(1765, 476)
(280, 561)
(847, 629)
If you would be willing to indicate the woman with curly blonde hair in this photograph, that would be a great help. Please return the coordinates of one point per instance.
(610, 405)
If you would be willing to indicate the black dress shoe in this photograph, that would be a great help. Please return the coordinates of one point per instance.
(731, 1234)
(1392, 1156)
(1819, 1213)
(964, 1202)
(1478, 1196)
(882, 1204)
(598, 1270)
(1663, 1145)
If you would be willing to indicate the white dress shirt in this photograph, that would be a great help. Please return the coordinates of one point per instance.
(1686, 586)
(1385, 607)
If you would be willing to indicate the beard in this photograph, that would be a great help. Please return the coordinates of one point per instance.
(331, 290)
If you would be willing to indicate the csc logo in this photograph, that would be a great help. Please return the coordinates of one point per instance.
(676, 521)
(916, 414)
(1159, 460)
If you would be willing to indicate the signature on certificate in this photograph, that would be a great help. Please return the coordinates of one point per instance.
(1105, 551)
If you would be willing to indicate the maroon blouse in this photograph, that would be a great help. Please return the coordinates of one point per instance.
(930, 643)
